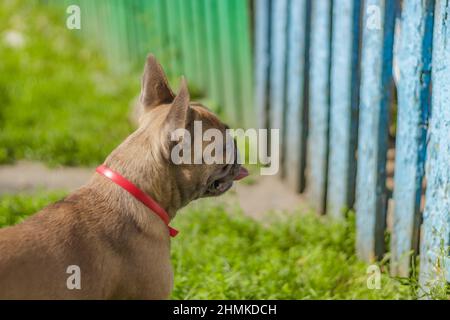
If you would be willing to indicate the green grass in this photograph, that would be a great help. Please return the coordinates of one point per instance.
(221, 254)
(58, 102)
(15, 208)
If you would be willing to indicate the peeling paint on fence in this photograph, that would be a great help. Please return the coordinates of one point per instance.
(262, 61)
(414, 99)
(319, 102)
(376, 77)
(279, 51)
(344, 106)
(295, 114)
(435, 248)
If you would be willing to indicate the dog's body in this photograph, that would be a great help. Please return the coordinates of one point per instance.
(118, 255)
(122, 249)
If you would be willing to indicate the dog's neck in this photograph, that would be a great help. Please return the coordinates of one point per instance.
(144, 169)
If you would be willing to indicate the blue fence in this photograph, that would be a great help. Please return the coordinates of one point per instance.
(324, 77)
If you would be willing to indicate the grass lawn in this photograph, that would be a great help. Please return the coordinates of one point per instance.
(221, 254)
(58, 101)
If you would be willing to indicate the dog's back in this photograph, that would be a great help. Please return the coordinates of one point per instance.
(36, 253)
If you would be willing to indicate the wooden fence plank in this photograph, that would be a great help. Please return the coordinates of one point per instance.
(164, 42)
(278, 70)
(213, 75)
(319, 102)
(306, 89)
(262, 46)
(198, 44)
(412, 116)
(203, 46)
(295, 121)
(188, 48)
(139, 49)
(344, 106)
(173, 25)
(227, 62)
(122, 64)
(138, 10)
(244, 56)
(376, 78)
(236, 68)
(215, 54)
(133, 43)
(435, 260)
(149, 31)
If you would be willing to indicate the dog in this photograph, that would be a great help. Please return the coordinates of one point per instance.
(117, 246)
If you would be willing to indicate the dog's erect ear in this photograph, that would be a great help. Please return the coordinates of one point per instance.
(179, 111)
(155, 87)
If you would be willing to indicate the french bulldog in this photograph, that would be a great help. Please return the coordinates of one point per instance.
(118, 247)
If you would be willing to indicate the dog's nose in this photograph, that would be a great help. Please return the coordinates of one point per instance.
(243, 172)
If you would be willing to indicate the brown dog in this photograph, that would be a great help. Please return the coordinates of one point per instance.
(120, 249)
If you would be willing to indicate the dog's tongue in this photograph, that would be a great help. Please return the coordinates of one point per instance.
(242, 174)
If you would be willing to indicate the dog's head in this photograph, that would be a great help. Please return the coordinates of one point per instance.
(178, 132)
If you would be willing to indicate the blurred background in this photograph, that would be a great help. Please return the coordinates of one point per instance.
(95, 70)
(66, 101)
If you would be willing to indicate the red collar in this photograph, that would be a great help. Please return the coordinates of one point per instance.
(138, 194)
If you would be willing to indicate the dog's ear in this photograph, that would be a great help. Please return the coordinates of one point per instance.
(155, 88)
(178, 115)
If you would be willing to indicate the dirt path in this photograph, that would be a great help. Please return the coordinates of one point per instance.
(266, 194)
(30, 176)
